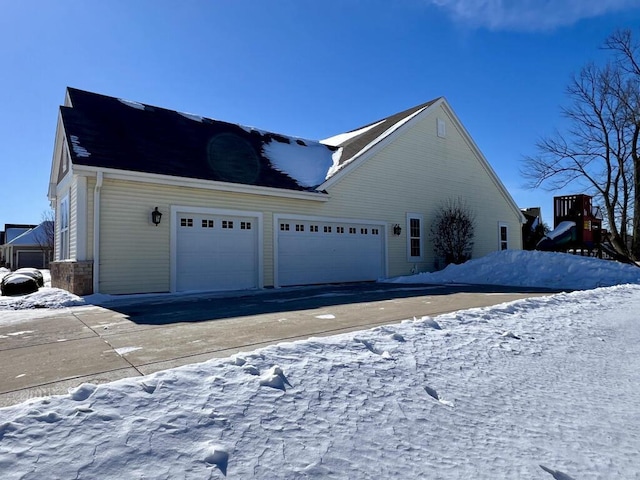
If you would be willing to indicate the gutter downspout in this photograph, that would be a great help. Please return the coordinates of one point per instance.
(96, 233)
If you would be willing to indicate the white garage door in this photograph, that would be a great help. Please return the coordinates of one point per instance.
(216, 252)
(312, 252)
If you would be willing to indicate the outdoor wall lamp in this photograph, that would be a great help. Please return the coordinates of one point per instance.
(156, 216)
(397, 229)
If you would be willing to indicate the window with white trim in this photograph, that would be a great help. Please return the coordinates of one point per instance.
(415, 245)
(503, 235)
(64, 229)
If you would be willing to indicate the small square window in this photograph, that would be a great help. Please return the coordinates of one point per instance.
(352, 230)
(327, 229)
(374, 231)
(299, 227)
(227, 224)
(245, 225)
(313, 228)
(340, 229)
(363, 231)
(207, 223)
(284, 227)
(186, 222)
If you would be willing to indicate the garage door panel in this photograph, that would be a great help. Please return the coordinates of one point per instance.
(336, 252)
(216, 252)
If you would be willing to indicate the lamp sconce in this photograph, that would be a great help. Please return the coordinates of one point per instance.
(397, 229)
(156, 216)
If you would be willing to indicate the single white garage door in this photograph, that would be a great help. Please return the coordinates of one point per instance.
(216, 252)
(313, 252)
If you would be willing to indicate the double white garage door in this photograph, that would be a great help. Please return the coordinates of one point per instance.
(222, 252)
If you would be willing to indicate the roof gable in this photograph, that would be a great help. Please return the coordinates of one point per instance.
(33, 236)
(13, 231)
(355, 142)
(107, 132)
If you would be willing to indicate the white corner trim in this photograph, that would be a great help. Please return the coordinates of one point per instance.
(96, 233)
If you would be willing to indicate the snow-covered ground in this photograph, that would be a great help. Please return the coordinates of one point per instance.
(539, 388)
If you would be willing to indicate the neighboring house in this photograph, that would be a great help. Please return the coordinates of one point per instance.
(27, 246)
(243, 208)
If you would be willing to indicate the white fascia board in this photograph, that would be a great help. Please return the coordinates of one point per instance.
(483, 160)
(377, 145)
(169, 180)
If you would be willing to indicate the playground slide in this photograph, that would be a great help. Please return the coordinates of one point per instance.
(564, 233)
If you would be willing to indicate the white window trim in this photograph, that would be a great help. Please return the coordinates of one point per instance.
(500, 226)
(420, 217)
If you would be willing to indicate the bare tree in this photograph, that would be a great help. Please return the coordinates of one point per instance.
(452, 231)
(47, 235)
(598, 151)
(626, 53)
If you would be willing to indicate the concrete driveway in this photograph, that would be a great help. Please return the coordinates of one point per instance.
(62, 350)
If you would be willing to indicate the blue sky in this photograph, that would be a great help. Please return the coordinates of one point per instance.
(297, 67)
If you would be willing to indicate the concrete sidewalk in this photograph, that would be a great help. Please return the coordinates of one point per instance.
(50, 355)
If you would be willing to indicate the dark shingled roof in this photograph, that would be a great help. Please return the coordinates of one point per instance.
(108, 132)
(357, 143)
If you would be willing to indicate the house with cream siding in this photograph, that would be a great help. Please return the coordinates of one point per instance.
(242, 208)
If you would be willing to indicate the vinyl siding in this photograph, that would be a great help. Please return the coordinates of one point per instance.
(135, 255)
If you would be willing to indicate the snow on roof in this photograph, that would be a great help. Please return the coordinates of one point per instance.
(343, 137)
(338, 166)
(308, 163)
(77, 148)
(191, 116)
(132, 104)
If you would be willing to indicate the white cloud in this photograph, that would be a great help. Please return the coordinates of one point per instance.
(529, 15)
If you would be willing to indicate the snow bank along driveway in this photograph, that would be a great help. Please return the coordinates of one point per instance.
(479, 394)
